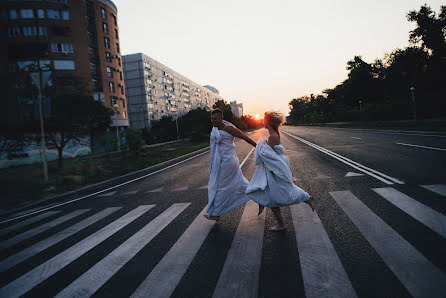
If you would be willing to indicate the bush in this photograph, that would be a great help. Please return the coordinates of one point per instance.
(134, 139)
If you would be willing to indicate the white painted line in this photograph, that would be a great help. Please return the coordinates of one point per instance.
(437, 188)
(318, 258)
(133, 192)
(26, 222)
(240, 274)
(246, 158)
(382, 177)
(166, 275)
(34, 277)
(204, 187)
(40, 229)
(180, 188)
(424, 214)
(425, 147)
(44, 244)
(104, 190)
(320, 176)
(420, 277)
(356, 138)
(332, 134)
(109, 194)
(89, 282)
(156, 190)
(353, 174)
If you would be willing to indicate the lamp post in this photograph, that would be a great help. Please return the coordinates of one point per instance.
(117, 130)
(412, 89)
(360, 104)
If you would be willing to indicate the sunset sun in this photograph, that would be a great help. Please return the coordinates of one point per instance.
(257, 117)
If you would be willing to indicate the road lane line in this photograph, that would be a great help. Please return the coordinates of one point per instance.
(318, 258)
(437, 188)
(356, 138)
(240, 274)
(424, 214)
(166, 275)
(89, 282)
(34, 277)
(44, 244)
(418, 146)
(371, 172)
(420, 277)
(26, 222)
(246, 158)
(40, 229)
(104, 190)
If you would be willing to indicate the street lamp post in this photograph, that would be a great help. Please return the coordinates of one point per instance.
(117, 130)
(360, 104)
(412, 89)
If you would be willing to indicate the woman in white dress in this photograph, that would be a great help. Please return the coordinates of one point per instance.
(272, 184)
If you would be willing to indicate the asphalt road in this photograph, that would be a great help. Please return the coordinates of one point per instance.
(378, 230)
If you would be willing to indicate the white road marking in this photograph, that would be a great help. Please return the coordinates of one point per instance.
(353, 174)
(356, 138)
(133, 192)
(322, 271)
(382, 177)
(424, 214)
(321, 176)
(89, 282)
(400, 256)
(240, 273)
(246, 158)
(166, 275)
(425, 147)
(156, 190)
(34, 277)
(40, 229)
(437, 188)
(104, 190)
(26, 222)
(44, 244)
(181, 188)
(109, 194)
(204, 187)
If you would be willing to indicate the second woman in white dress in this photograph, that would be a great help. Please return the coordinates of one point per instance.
(272, 184)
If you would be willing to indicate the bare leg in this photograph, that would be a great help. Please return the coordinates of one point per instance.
(280, 226)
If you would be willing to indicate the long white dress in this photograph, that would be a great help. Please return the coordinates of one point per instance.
(227, 185)
(272, 184)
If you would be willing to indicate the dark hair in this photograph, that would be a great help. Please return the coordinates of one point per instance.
(216, 111)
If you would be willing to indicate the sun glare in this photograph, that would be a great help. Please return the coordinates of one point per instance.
(257, 116)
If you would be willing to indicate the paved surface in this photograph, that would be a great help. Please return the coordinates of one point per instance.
(378, 230)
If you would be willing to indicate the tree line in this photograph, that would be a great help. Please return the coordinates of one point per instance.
(405, 84)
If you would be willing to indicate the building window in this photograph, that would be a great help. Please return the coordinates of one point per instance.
(122, 89)
(105, 28)
(120, 75)
(108, 57)
(13, 14)
(125, 114)
(116, 33)
(14, 31)
(103, 13)
(93, 69)
(109, 72)
(92, 53)
(123, 102)
(42, 31)
(64, 64)
(26, 13)
(106, 42)
(41, 13)
(114, 19)
(95, 85)
(117, 47)
(119, 61)
(29, 31)
(58, 14)
(62, 47)
(111, 87)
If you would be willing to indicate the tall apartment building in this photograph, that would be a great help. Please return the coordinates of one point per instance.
(236, 108)
(154, 90)
(78, 39)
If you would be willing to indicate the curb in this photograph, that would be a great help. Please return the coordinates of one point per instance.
(104, 184)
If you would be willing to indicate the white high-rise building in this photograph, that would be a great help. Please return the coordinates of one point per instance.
(236, 108)
(153, 90)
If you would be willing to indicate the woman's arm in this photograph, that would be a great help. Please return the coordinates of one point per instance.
(239, 134)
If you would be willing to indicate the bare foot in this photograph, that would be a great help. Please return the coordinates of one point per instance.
(310, 202)
(277, 228)
(216, 218)
(261, 207)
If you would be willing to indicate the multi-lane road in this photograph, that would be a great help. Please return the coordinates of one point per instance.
(379, 228)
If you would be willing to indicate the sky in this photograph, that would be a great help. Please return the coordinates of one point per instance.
(265, 53)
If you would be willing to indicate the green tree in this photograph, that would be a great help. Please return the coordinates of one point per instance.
(134, 139)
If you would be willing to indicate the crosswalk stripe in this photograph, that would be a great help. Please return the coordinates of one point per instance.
(204, 187)
(44, 244)
(166, 275)
(109, 194)
(89, 282)
(318, 258)
(32, 278)
(424, 214)
(437, 188)
(131, 192)
(40, 229)
(24, 223)
(180, 188)
(420, 277)
(240, 274)
(155, 190)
